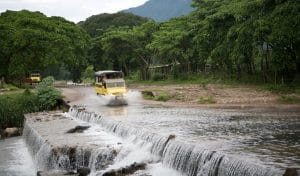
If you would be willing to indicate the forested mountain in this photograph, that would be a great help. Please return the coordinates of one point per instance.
(97, 24)
(162, 10)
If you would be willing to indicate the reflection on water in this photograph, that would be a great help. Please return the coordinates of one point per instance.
(15, 159)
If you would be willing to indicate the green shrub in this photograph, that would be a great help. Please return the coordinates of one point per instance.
(14, 106)
(158, 77)
(297, 91)
(10, 87)
(280, 88)
(28, 102)
(148, 95)
(88, 81)
(47, 94)
(88, 75)
(163, 97)
(289, 99)
(207, 100)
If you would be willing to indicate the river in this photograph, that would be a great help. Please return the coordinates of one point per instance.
(270, 138)
(15, 159)
(267, 138)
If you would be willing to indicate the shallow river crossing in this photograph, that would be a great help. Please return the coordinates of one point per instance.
(265, 138)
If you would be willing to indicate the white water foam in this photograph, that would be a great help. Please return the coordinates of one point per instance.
(163, 155)
(188, 159)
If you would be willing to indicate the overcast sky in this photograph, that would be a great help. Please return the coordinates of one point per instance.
(73, 10)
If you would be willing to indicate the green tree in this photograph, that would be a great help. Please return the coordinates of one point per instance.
(172, 43)
(247, 37)
(47, 94)
(126, 48)
(96, 25)
(33, 41)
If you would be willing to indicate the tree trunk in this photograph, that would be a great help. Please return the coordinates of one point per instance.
(239, 72)
(297, 62)
(145, 73)
(263, 70)
(2, 82)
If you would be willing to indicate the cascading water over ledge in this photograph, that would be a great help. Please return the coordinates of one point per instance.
(188, 159)
(54, 149)
(112, 147)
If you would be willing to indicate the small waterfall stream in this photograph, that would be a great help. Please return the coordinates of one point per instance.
(39, 148)
(187, 159)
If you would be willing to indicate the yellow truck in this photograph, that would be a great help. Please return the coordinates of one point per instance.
(110, 82)
(35, 77)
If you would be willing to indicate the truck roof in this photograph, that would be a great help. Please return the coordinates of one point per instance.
(114, 80)
(107, 72)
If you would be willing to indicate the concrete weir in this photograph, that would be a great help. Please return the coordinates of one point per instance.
(79, 139)
(55, 148)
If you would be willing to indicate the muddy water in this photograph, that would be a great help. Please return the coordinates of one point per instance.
(15, 159)
(267, 138)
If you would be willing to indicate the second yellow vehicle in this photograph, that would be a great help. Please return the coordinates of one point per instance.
(110, 82)
(35, 77)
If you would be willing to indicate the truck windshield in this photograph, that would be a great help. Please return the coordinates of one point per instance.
(115, 84)
(35, 75)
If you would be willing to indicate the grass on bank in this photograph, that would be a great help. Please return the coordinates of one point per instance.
(289, 99)
(206, 100)
(9, 89)
(160, 96)
(163, 97)
(205, 79)
(13, 106)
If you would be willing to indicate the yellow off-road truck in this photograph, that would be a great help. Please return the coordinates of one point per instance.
(35, 77)
(110, 82)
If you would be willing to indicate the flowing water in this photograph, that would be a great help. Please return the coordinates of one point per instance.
(15, 160)
(268, 138)
(207, 142)
(190, 159)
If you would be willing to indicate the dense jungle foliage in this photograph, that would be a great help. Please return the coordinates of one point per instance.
(236, 39)
(98, 24)
(32, 41)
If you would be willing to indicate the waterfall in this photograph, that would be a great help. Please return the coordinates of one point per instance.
(64, 158)
(186, 158)
(121, 129)
(101, 159)
(39, 148)
(201, 162)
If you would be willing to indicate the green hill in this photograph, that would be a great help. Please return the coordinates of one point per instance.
(96, 24)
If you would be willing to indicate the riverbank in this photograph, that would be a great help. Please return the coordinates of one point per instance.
(15, 102)
(218, 96)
